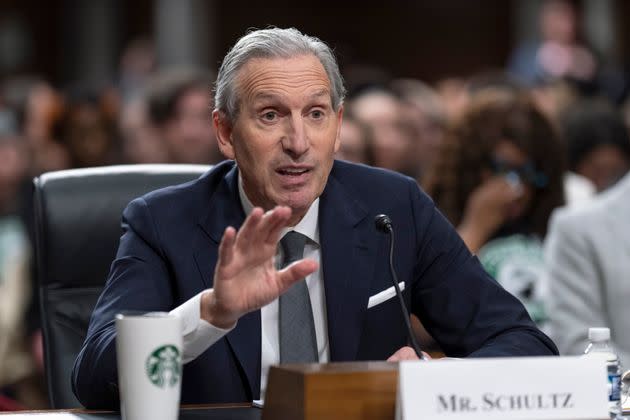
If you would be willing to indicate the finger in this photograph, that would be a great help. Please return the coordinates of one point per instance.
(296, 271)
(502, 192)
(247, 232)
(510, 186)
(404, 353)
(226, 247)
(278, 219)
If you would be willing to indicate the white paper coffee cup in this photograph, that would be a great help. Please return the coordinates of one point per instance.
(149, 350)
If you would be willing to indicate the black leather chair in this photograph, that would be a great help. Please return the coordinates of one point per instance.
(77, 228)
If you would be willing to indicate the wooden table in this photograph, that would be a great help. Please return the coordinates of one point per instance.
(196, 412)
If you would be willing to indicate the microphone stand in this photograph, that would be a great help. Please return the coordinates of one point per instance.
(384, 224)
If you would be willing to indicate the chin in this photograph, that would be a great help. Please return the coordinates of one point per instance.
(298, 204)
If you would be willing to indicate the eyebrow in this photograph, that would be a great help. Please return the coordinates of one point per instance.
(320, 93)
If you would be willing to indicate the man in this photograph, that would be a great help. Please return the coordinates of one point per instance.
(278, 111)
(586, 253)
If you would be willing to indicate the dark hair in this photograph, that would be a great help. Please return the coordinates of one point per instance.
(490, 118)
(590, 124)
(165, 90)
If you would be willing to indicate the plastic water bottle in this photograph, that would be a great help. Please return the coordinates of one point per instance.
(599, 346)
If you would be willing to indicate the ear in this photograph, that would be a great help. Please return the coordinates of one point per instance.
(223, 130)
(339, 117)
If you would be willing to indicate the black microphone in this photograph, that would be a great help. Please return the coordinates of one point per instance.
(384, 224)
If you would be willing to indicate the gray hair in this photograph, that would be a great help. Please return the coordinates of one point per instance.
(273, 43)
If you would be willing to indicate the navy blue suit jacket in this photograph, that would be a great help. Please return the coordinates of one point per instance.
(168, 251)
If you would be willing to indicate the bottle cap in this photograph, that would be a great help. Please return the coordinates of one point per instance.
(599, 334)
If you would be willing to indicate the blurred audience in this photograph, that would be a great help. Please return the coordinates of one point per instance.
(89, 127)
(554, 98)
(18, 365)
(586, 253)
(139, 137)
(560, 52)
(39, 109)
(498, 177)
(453, 93)
(597, 141)
(137, 65)
(425, 113)
(356, 141)
(180, 107)
(379, 108)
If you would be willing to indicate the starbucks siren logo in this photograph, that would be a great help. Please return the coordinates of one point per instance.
(163, 366)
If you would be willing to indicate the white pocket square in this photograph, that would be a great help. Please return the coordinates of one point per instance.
(386, 294)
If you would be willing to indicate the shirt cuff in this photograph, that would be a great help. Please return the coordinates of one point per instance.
(197, 333)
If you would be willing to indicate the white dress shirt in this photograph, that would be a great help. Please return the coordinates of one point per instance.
(198, 334)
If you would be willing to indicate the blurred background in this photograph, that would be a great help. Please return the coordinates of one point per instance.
(501, 110)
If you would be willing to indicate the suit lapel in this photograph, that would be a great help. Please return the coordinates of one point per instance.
(348, 266)
(225, 210)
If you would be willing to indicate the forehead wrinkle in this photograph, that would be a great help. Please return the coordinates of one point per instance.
(274, 81)
(284, 81)
(271, 93)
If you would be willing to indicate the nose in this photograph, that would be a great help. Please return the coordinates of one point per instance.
(295, 142)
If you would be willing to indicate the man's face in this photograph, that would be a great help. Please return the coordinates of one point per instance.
(285, 134)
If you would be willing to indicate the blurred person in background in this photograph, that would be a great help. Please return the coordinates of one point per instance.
(39, 109)
(139, 137)
(179, 106)
(554, 98)
(453, 94)
(493, 79)
(18, 366)
(497, 179)
(598, 143)
(355, 141)
(137, 65)
(559, 54)
(426, 114)
(587, 257)
(380, 109)
(89, 127)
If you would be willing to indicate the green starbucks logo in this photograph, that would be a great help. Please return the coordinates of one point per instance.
(163, 366)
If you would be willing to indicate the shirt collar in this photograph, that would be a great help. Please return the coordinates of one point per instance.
(308, 226)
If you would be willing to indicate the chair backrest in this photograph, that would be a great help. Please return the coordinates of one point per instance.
(77, 229)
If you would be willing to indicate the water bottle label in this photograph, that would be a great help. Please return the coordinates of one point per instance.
(614, 382)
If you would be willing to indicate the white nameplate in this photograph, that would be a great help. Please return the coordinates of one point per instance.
(527, 388)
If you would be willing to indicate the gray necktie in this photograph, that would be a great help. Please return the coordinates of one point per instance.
(297, 330)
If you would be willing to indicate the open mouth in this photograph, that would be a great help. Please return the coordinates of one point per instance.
(292, 171)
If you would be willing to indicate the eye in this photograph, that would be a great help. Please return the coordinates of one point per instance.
(317, 114)
(269, 116)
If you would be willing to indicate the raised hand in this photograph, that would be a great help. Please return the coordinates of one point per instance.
(245, 277)
(487, 209)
